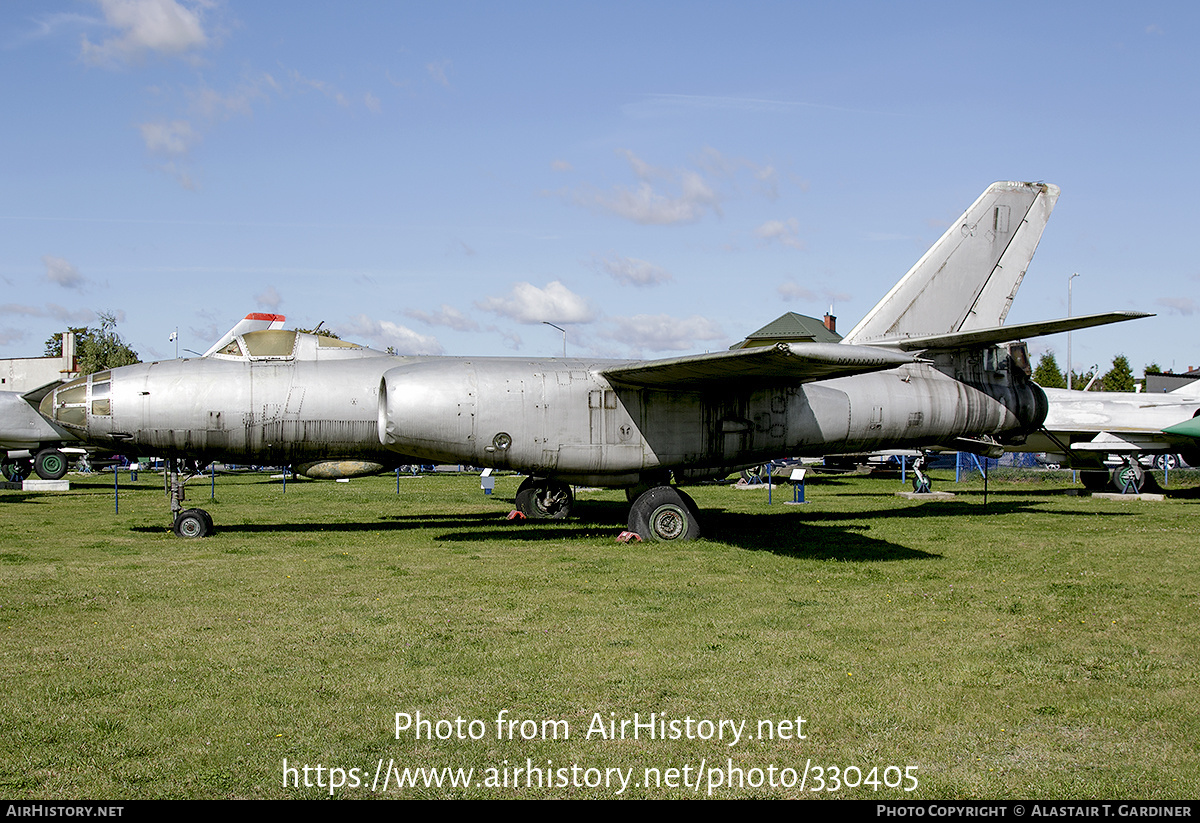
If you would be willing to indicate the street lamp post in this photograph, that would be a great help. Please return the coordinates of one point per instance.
(1069, 284)
(564, 334)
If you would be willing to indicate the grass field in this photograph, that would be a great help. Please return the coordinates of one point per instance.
(1045, 645)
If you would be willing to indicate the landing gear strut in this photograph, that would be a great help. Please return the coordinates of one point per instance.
(540, 498)
(921, 482)
(186, 522)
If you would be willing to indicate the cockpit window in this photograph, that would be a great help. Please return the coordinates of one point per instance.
(326, 342)
(234, 348)
(270, 342)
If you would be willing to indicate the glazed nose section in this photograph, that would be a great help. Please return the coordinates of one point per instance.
(83, 405)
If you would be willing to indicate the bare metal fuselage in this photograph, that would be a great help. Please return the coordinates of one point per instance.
(545, 417)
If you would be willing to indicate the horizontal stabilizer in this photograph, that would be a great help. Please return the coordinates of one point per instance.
(1006, 334)
(781, 364)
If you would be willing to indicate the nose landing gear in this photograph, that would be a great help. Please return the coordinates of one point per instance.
(186, 522)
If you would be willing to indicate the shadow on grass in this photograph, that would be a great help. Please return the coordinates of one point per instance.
(786, 531)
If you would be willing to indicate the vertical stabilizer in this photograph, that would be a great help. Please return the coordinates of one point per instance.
(968, 279)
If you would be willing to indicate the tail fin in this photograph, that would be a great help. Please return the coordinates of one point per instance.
(1188, 390)
(968, 279)
(251, 322)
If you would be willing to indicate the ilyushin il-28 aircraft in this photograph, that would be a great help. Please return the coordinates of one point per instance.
(925, 367)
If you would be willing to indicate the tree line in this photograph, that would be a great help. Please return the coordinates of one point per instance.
(1120, 377)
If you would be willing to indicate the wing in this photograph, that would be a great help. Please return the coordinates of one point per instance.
(784, 364)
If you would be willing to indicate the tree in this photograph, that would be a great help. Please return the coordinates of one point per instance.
(320, 332)
(1120, 376)
(96, 349)
(1047, 374)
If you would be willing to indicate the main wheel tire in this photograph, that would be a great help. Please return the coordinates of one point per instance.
(921, 485)
(193, 523)
(663, 514)
(51, 464)
(542, 499)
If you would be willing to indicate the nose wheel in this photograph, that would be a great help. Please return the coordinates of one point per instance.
(193, 523)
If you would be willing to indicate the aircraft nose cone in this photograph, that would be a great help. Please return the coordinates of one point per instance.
(79, 404)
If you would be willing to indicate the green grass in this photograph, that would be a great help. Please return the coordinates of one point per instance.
(1044, 645)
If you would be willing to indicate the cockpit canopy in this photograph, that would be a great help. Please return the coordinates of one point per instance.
(287, 344)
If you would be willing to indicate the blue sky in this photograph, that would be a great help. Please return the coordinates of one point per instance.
(657, 178)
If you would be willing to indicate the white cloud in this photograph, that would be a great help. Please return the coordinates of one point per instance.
(438, 72)
(663, 333)
(210, 104)
(173, 138)
(382, 334)
(10, 335)
(527, 303)
(269, 298)
(62, 273)
(1178, 305)
(561, 165)
(791, 290)
(445, 316)
(688, 196)
(73, 317)
(327, 89)
(634, 272)
(786, 232)
(160, 26)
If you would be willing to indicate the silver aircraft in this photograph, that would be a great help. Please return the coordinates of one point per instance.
(1083, 428)
(924, 367)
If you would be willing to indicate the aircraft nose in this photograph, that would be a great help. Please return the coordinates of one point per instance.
(80, 405)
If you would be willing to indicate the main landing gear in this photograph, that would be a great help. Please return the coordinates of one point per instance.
(48, 464)
(658, 513)
(186, 522)
(1127, 478)
(921, 482)
(540, 498)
